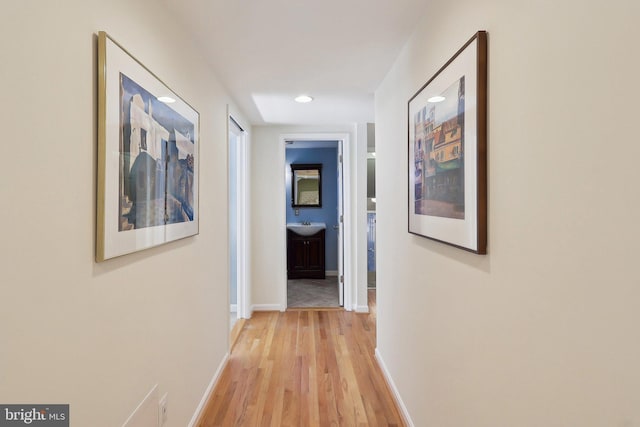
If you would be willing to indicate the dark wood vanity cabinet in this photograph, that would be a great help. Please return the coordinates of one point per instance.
(305, 256)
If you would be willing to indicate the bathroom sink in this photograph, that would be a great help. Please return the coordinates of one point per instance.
(306, 229)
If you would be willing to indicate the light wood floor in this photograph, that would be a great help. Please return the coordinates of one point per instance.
(303, 368)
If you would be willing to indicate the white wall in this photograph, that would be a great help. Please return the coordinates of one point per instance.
(100, 336)
(268, 241)
(542, 331)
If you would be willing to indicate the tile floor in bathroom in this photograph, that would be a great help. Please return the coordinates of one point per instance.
(313, 292)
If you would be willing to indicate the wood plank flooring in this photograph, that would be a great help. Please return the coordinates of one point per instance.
(303, 368)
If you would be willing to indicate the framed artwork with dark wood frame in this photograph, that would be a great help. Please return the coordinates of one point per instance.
(306, 185)
(148, 139)
(448, 151)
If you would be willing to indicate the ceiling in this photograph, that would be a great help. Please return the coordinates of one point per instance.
(266, 52)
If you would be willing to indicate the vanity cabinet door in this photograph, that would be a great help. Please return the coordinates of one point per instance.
(305, 256)
(297, 253)
(315, 252)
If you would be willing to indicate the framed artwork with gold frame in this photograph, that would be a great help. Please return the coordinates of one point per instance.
(148, 143)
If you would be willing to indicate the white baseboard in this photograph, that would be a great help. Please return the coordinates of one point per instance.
(361, 308)
(267, 307)
(331, 273)
(394, 391)
(208, 391)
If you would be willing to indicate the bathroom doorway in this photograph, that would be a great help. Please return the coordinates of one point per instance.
(306, 285)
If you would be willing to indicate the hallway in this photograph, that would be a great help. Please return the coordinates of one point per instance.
(304, 368)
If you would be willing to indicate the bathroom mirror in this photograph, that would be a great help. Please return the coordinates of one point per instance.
(306, 185)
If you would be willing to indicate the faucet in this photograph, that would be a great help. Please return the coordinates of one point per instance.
(306, 223)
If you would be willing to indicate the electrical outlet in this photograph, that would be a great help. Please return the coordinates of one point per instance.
(162, 410)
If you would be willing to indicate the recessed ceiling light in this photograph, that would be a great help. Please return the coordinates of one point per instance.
(166, 99)
(303, 99)
(435, 99)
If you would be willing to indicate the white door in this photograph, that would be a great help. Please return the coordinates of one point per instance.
(237, 221)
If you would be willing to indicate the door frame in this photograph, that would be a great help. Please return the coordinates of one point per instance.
(341, 239)
(346, 227)
(242, 218)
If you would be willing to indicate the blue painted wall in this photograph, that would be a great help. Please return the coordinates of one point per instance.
(328, 213)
